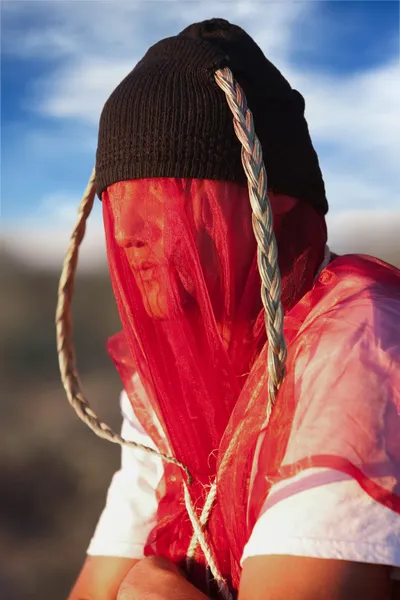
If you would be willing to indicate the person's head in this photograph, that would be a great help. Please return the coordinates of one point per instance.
(168, 120)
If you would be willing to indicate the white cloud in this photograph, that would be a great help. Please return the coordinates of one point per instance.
(46, 247)
(81, 89)
(100, 46)
(61, 209)
(356, 117)
(42, 241)
(360, 112)
(374, 232)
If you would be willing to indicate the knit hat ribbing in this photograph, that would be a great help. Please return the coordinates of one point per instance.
(168, 117)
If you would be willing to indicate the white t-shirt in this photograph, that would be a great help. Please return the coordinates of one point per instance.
(325, 515)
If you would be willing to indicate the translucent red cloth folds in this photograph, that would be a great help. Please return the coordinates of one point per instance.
(182, 259)
(339, 405)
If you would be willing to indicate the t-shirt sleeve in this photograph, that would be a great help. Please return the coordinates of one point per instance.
(323, 513)
(131, 506)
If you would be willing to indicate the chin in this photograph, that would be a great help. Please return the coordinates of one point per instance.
(157, 313)
(161, 303)
(155, 305)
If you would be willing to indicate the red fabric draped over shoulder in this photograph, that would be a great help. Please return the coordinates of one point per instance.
(338, 407)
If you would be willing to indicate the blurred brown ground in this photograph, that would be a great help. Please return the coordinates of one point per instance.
(54, 472)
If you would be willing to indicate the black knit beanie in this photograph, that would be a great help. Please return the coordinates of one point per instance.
(169, 118)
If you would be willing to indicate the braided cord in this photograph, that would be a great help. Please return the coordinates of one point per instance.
(200, 538)
(65, 345)
(72, 385)
(267, 251)
(267, 259)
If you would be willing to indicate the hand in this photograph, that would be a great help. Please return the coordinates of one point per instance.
(157, 578)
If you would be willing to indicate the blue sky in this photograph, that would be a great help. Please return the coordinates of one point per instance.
(60, 61)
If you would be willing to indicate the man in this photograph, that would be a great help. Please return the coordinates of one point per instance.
(307, 503)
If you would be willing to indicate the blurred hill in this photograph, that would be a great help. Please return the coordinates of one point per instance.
(54, 471)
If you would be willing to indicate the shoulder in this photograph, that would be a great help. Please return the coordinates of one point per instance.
(348, 346)
(358, 278)
(355, 298)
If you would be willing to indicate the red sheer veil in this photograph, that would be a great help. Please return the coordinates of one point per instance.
(182, 258)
